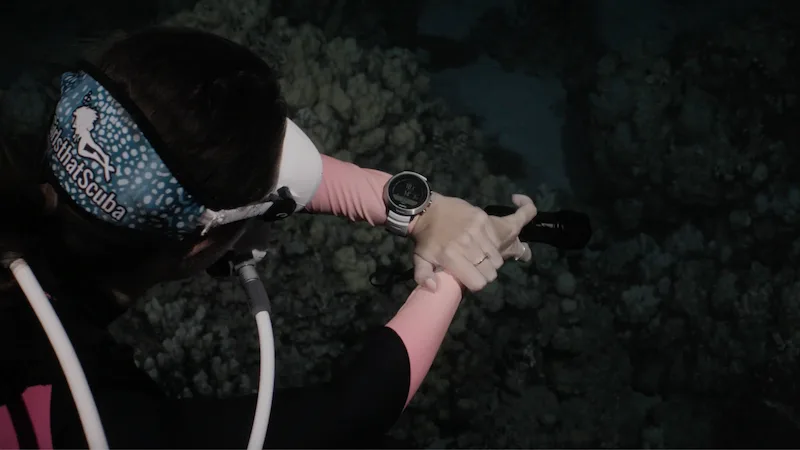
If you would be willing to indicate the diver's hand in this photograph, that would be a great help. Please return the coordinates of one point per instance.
(463, 240)
(508, 230)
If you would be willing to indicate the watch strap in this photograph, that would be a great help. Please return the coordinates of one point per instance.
(397, 224)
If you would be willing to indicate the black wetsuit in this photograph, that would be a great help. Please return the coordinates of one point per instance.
(356, 409)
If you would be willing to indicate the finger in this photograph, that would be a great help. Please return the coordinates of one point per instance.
(480, 252)
(456, 262)
(513, 250)
(525, 254)
(469, 248)
(526, 211)
(490, 248)
(424, 273)
(490, 232)
(487, 270)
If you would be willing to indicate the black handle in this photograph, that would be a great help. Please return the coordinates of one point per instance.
(567, 230)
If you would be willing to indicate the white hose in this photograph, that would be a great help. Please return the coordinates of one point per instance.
(266, 382)
(76, 378)
(73, 371)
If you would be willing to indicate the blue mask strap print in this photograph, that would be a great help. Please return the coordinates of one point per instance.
(102, 153)
(109, 168)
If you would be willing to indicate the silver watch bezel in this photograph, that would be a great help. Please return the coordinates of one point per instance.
(406, 212)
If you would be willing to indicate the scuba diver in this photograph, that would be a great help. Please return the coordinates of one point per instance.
(180, 148)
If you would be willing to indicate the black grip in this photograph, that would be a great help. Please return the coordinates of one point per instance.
(567, 230)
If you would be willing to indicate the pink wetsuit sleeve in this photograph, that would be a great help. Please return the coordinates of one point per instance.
(350, 191)
(8, 436)
(356, 193)
(37, 402)
(422, 324)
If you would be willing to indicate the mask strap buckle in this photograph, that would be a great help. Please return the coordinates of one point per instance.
(283, 205)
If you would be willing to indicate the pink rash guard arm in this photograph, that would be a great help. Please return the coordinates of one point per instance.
(356, 193)
(36, 400)
(351, 191)
(422, 324)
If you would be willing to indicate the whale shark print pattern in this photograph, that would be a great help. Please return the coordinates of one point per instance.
(109, 168)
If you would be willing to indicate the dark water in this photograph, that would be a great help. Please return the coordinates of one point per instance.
(673, 123)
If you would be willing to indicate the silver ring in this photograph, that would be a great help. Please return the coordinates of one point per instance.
(485, 257)
(522, 254)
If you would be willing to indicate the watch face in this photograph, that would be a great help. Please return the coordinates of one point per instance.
(408, 191)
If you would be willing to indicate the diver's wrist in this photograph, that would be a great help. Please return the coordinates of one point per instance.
(415, 221)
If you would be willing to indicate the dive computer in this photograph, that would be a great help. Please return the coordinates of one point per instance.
(407, 195)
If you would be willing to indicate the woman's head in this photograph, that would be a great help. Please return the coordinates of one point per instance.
(219, 119)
